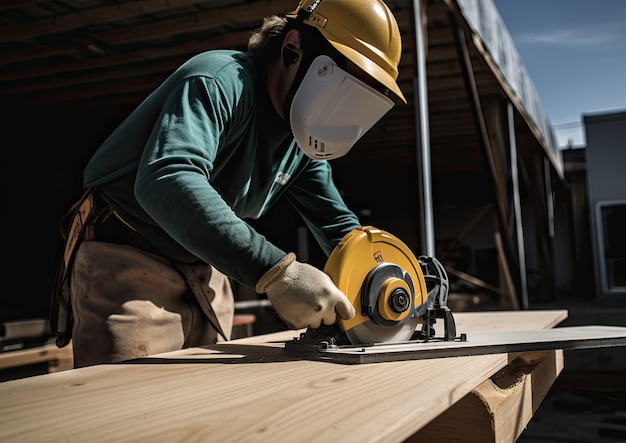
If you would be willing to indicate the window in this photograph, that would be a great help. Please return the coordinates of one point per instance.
(612, 245)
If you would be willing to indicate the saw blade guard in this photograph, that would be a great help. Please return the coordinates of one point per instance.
(383, 280)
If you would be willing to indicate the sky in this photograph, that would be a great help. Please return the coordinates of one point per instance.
(574, 51)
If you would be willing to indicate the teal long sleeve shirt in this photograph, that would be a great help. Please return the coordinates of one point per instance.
(205, 151)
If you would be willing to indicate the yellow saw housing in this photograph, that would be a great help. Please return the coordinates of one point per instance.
(396, 291)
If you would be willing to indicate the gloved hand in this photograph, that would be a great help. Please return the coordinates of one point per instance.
(302, 295)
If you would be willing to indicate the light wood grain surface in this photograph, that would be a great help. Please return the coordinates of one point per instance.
(248, 390)
(58, 359)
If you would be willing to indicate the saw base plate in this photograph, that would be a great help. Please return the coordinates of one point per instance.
(331, 341)
(566, 338)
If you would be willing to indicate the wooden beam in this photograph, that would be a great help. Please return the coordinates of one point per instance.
(96, 16)
(248, 390)
(499, 409)
(59, 359)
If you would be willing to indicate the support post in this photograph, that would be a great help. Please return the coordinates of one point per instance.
(521, 254)
(422, 134)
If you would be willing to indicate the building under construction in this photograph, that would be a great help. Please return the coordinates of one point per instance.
(467, 171)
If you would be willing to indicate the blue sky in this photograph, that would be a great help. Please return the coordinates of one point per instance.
(575, 53)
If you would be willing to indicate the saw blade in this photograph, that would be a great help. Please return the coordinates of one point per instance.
(370, 332)
(369, 264)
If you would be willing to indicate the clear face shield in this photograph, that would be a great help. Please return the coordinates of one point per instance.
(332, 109)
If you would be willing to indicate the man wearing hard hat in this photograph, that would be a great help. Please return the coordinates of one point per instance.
(161, 227)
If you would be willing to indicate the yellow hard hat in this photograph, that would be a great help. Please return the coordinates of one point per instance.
(364, 31)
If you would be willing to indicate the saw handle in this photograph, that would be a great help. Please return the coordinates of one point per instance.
(436, 279)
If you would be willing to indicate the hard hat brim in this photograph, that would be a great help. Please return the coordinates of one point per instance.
(368, 66)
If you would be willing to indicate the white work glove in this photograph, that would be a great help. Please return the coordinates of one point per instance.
(302, 295)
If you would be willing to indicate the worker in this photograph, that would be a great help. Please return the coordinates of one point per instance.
(161, 229)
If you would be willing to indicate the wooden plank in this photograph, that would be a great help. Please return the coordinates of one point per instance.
(59, 359)
(250, 390)
(499, 409)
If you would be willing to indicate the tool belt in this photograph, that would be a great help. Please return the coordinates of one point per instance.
(92, 218)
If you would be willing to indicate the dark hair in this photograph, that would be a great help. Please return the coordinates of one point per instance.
(266, 42)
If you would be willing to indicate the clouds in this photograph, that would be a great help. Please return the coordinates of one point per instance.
(597, 24)
(572, 38)
(575, 53)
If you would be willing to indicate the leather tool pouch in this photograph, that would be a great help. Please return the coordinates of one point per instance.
(76, 225)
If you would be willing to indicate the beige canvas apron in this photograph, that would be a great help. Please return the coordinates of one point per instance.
(118, 302)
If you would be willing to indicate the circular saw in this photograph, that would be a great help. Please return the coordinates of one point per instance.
(392, 291)
(383, 280)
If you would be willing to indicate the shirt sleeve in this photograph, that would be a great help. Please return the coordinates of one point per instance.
(173, 183)
(316, 198)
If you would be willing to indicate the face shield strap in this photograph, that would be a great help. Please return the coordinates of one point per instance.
(305, 63)
(313, 45)
(331, 110)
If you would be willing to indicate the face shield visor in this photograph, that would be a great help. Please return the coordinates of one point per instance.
(332, 109)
